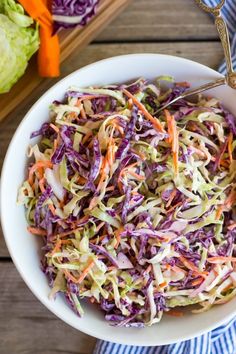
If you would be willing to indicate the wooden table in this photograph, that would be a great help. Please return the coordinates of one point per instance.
(175, 27)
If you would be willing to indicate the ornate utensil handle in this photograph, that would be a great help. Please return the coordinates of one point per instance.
(224, 37)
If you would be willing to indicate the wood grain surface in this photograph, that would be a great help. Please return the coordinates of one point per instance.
(71, 40)
(174, 27)
(161, 20)
(27, 327)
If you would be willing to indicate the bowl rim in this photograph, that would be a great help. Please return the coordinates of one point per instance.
(19, 267)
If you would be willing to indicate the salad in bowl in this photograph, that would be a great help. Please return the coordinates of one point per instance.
(134, 211)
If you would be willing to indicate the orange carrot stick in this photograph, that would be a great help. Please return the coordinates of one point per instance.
(135, 175)
(230, 200)
(70, 276)
(169, 126)
(174, 313)
(86, 271)
(37, 231)
(172, 196)
(230, 149)
(190, 265)
(57, 247)
(54, 127)
(117, 234)
(221, 259)
(155, 121)
(41, 184)
(173, 139)
(52, 209)
(197, 282)
(49, 50)
(37, 166)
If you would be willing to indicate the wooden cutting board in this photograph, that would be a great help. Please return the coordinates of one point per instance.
(70, 40)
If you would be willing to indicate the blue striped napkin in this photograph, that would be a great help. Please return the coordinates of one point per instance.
(221, 340)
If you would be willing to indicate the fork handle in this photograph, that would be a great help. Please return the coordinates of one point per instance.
(205, 87)
(224, 37)
(194, 91)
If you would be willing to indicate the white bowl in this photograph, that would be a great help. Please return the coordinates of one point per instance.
(25, 249)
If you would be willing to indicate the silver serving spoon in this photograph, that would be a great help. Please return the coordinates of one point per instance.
(230, 78)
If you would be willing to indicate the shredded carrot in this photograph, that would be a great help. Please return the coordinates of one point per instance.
(119, 128)
(171, 198)
(122, 172)
(37, 166)
(117, 234)
(222, 153)
(173, 139)
(190, 265)
(219, 212)
(52, 209)
(82, 112)
(37, 231)
(135, 175)
(230, 148)
(155, 121)
(54, 127)
(229, 202)
(86, 271)
(86, 137)
(70, 276)
(232, 226)
(80, 221)
(57, 247)
(94, 201)
(174, 207)
(223, 163)
(177, 205)
(228, 287)
(111, 152)
(41, 184)
(110, 189)
(96, 237)
(148, 270)
(61, 203)
(102, 179)
(196, 282)
(130, 103)
(111, 268)
(162, 285)
(66, 233)
(221, 259)
(169, 126)
(231, 199)
(81, 180)
(174, 313)
(55, 144)
(100, 226)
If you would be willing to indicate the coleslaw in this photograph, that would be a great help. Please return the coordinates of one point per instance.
(136, 212)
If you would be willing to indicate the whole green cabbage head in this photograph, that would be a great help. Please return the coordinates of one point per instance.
(19, 40)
